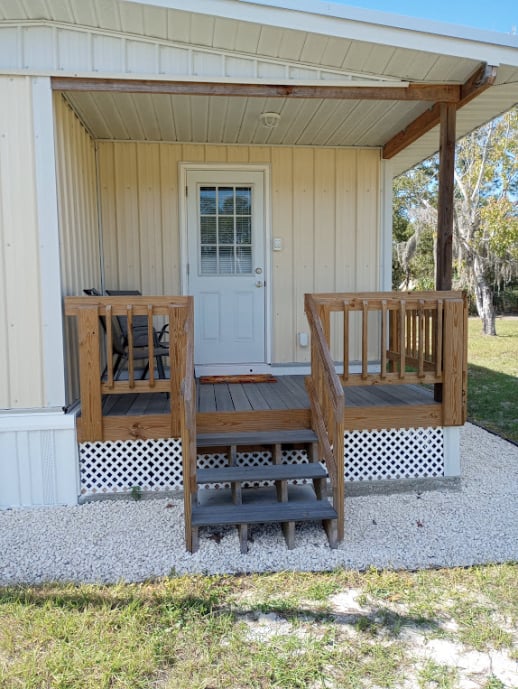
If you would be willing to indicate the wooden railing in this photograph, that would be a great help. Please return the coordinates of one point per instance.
(401, 338)
(326, 397)
(138, 342)
(100, 343)
(385, 338)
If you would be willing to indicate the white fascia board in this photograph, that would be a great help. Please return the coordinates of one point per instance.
(350, 23)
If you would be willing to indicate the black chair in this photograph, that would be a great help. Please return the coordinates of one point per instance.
(140, 349)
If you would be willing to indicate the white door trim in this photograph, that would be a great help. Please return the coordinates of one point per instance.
(183, 169)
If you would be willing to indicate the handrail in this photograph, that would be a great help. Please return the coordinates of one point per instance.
(327, 406)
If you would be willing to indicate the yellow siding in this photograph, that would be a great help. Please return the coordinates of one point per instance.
(21, 365)
(325, 208)
(78, 225)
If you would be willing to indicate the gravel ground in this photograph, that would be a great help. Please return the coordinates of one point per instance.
(111, 541)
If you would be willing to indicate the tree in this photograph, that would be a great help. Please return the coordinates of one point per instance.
(485, 232)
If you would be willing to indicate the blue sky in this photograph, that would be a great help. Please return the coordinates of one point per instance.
(498, 15)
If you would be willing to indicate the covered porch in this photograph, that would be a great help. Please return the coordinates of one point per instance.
(407, 345)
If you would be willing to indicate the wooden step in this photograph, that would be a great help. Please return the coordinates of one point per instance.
(260, 513)
(303, 435)
(266, 472)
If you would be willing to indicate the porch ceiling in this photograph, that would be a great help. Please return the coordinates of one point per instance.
(236, 120)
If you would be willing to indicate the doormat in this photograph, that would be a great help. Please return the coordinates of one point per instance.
(249, 378)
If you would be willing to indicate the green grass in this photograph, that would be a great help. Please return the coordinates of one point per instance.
(493, 377)
(278, 630)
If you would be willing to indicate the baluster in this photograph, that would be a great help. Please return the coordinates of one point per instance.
(346, 307)
(109, 345)
(438, 339)
(131, 363)
(421, 343)
(365, 343)
(402, 337)
(151, 345)
(427, 335)
(383, 339)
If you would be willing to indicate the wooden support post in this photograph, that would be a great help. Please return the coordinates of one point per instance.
(443, 259)
(445, 201)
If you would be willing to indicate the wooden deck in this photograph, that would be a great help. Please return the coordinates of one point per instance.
(285, 404)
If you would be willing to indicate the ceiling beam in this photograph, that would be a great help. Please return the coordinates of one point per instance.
(446, 93)
(480, 80)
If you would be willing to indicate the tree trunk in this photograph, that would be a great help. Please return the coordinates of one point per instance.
(484, 299)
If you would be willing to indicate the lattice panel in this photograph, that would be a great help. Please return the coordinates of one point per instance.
(117, 466)
(156, 465)
(394, 454)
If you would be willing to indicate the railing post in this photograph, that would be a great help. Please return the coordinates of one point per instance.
(453, 367)
(90, 373)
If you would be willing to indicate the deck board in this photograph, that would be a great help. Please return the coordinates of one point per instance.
(288, 393)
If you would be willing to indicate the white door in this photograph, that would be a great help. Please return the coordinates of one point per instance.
(226, 267)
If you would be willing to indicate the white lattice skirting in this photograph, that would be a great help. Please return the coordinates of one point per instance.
(156, 465)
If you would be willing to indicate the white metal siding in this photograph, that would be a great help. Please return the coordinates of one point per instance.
(325, 208)
(38, 460)
(21, 366)
(79, 234)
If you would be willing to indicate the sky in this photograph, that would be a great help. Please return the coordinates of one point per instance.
(498, 15)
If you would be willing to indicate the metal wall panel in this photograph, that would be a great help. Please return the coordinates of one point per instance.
(21, 366)
(39, 462)
(325, 208)
(78, 222)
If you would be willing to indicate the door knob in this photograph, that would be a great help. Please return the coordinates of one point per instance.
(259, 283)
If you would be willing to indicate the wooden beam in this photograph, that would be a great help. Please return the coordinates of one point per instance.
(446, 93)
(443, 261)
(480, 80)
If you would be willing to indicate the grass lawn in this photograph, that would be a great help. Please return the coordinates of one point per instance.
(493, 377)
(338, 630)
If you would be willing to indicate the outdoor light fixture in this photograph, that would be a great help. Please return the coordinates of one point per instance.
(270, 119)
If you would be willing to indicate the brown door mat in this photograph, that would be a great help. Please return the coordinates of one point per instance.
(249, 378)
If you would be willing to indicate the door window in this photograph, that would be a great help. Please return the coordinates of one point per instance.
(225, 214)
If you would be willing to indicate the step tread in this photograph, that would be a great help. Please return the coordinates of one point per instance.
(261, 513)
(302, 435)
(265, 472)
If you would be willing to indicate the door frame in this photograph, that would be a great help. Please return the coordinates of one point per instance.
(183, 169)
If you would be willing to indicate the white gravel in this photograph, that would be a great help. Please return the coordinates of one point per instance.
(111, 541)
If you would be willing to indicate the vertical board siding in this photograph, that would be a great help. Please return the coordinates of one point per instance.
(21, 363)
(325, 209)
(78, 223)
(38, 467)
